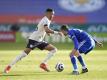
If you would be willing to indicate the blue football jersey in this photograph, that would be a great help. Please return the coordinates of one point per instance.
(78, 36)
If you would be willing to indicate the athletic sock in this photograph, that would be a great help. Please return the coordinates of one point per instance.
(19, 57)
(74, 62)
(50, 54)
(80, 59)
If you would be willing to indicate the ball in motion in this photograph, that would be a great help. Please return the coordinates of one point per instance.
(59, 67)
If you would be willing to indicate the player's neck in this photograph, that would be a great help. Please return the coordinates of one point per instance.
(48, 17)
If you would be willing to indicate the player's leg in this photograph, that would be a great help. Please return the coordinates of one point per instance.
(75, 66)
(51, 49)
(85, 48)
(82, 62)
(84, 68)
(82, 49)
(74, 63)
(20, 56)
(50, 54)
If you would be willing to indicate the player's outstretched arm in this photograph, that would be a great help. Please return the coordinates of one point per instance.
(75, 42)
(48, 30)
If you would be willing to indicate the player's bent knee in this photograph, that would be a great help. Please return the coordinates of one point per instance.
(27, 51)
(54, 50)
(71, 55)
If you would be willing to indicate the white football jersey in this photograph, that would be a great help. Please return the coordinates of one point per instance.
(40, 33)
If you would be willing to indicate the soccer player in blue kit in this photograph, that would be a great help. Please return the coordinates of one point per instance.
(83, 43)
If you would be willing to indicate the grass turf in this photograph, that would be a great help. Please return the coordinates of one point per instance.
(28, 68)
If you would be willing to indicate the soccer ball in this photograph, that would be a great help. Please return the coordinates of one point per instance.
(59, 67)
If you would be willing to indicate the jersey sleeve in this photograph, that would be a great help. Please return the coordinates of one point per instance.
(45, 23)
(74, 39)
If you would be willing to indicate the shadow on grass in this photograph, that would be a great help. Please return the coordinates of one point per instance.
(11, 75)
(52, 73)
(28, 73)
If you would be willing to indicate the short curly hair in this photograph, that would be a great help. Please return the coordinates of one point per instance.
(49, 10)
(64, 27)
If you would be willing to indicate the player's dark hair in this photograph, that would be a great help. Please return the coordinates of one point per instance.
(49, 10)
(64, 27)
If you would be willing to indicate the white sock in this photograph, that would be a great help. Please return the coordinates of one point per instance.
(84, 67)
(19, 57)
(50, 54)
(75, 70)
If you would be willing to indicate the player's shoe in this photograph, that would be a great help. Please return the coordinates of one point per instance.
(75, 73)
(7, 69)
(44, 67)
(84, 70)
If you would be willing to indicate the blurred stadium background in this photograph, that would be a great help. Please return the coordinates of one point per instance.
(19, 18)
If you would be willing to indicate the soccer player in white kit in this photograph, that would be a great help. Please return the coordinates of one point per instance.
(36, 41)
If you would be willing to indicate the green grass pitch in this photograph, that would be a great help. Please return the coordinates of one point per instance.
(28, 68)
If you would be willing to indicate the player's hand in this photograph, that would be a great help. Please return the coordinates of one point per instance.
(60, 33)
(48, 34)
(99, 44)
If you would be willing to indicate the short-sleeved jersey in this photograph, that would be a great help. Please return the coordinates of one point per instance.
(78, 36)
(40, 33)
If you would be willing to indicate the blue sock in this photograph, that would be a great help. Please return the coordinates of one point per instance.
(80, 59)
(73, 60)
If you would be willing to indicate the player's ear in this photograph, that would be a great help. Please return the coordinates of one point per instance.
(61, 30)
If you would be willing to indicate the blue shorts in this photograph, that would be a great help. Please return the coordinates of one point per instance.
(86, 46)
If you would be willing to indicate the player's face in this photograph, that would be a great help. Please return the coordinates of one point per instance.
(50, 15)
(64, 32)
